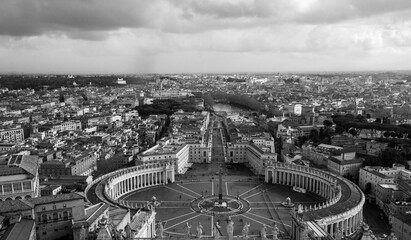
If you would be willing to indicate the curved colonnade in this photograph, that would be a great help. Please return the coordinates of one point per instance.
(121, 182)
(340, 214)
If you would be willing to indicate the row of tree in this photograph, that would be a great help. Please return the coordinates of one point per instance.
(167, 107)
(348, 122)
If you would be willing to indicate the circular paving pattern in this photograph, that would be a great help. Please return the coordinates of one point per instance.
(228, 206)
(247, 201)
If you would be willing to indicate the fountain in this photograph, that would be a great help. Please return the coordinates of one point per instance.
(288, 203)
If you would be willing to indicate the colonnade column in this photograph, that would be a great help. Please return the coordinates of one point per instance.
(332, 229)
(350, 225)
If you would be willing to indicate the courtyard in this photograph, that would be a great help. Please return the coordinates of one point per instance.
(264, 201)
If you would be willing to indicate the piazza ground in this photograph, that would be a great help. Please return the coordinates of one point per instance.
(264, 200)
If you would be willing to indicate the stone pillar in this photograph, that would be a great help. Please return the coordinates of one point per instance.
(320, 190)
(155, 178)
(135, 183)
(351, 225)
(138, 181)
(280, 177)
(355, 221)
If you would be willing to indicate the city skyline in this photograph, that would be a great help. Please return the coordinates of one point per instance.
(105, 37)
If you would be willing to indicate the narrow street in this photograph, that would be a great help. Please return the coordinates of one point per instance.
(217, 147)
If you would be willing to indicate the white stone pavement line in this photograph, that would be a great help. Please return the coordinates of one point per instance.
(244, 215)
(253, 195)
(179, 191)
(260, 192)
(188, 189)
(171, 219)
(212, 225)
(250, 190)
(271, 220)
(199, 215)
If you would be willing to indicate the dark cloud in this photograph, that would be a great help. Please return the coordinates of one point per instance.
(35, 17)
(90, 19)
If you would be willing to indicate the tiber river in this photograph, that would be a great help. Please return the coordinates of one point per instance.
(221, 107)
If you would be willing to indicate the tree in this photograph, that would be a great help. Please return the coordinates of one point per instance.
(339, 129)
(349, 116)
(361, 118)
(390, 156)
(327, 123)
(314, 135)
(353, 132)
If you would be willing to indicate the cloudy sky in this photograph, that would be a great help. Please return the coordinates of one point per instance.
(174, 36)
